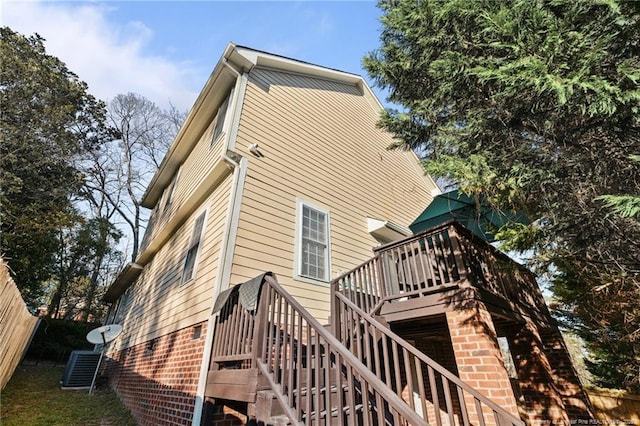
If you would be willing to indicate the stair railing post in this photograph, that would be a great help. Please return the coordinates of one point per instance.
(335, 310)
(260, 323)
(458, 254)
(382, 283)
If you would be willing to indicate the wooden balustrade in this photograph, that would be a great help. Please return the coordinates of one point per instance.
(497, 273)
(364, 285)
(233, 334)
(363, 373)
(436, 394)
(444, 257)
(315, 378)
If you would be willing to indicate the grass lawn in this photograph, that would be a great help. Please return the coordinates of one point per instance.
(33, 397)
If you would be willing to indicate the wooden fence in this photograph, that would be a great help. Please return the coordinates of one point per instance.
(17, 325)
(613, 407)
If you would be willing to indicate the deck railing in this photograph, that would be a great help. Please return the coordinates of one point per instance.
(363, 373)
(444, 257)
(315, 378)
(436, 394)
(233, 338)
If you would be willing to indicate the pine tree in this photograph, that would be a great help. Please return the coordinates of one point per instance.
(536, 105)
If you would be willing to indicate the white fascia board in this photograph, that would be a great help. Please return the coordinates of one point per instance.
(386, 230)
(196, 122)
(243, 59)
(264, 59)
(211, 181)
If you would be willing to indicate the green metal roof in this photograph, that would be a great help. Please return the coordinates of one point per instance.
(475, 215)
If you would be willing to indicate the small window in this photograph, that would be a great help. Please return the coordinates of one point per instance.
(197, 332)
(313, 244)
(148, 231)
(170, 190)
(192, 254)
(220, 118)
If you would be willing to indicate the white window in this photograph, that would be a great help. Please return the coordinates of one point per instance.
(220, 118)
(192, 253)
(170, 190)
(313, 253)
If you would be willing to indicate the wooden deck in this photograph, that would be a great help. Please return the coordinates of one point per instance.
(361, 373)
(442, 269)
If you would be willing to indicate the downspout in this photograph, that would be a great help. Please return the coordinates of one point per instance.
(239, 165)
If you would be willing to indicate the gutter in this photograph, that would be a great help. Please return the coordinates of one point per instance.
(130, 272)
(128, 275)
(152, 194)
(225, 260)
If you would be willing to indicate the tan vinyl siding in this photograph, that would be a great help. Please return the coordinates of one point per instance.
(320, 144)
(196, 167)
(158, 303)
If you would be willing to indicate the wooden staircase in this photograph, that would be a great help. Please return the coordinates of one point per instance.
(292, 370)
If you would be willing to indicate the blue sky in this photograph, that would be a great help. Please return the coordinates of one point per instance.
(165, 50)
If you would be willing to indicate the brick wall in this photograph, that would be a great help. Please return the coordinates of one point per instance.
(440, 350)
(575, 400)
(157, 380)
(548, 382)
(478, 356)
(540, 399)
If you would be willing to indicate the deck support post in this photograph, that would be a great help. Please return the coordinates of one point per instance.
(478, 357)
(550, 387)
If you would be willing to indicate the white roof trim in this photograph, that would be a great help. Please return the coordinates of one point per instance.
(386, 231)
(242, 59)
(259, 58)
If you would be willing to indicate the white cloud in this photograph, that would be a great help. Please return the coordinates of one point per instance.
(325, 25)
(109, 56)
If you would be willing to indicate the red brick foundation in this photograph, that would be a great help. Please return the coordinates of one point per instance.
(549, 385)
(157, 380)
(478, 357)
(568, 385)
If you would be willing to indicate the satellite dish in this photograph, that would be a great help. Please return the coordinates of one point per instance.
(104, 334)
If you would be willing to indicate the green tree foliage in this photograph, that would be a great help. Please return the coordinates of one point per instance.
(624, 205)
(535, 104)
(47, 120)
(85, 259)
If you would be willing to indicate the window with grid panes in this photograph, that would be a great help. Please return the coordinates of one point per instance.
(190, 261)
(220, 118)
(313, 250)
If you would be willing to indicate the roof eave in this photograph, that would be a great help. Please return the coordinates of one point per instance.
(123, 281)
(242, 58)
(179, 149)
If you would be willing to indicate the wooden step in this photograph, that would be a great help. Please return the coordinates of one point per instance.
(267, 410)
(333, 414)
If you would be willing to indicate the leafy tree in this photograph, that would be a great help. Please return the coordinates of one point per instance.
(536, 105)
(624, 205)
(119, 173)
(85, 259)
(47, 120)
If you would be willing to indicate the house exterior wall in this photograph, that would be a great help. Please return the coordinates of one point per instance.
(206, 154)
(157, 380)
(156, 363)
(321, 145)
(159, 303)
